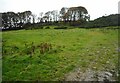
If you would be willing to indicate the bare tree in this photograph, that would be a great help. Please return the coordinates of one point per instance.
(55, 15)
(47, 15)
(41, 17)
(34, 17)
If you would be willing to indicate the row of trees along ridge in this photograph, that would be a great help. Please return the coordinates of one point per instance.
(11, 20)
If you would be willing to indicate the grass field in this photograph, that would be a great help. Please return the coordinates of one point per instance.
(66, 50)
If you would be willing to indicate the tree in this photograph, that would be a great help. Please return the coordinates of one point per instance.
(45, 18)
(48, 16)
(5, 20)
(77, 13)
(27, 15)
(20, 16)
(72, 13)
(15, 20)
(63, 11)
(10, 20)
(41, 17)
(1, 20)
(33, 18)
(82, 11)
(55, 15)
(87, 17)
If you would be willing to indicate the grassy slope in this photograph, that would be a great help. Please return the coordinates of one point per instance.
(93, 48)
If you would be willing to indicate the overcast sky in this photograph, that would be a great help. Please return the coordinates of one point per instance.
(96, 8)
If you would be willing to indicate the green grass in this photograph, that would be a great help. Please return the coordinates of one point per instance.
(71, 48)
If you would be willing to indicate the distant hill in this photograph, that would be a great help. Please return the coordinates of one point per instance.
(104, 21)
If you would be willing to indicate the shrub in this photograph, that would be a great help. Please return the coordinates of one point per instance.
(36, 27)
(61, 27)
(40, 27)
(47, 27)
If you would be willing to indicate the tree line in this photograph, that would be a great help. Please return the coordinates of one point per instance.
(15, 20)
(12, 20)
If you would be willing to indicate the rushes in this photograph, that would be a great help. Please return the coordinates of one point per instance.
(44, 47)
(30, 49)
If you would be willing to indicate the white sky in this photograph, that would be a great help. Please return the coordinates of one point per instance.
(96, 8)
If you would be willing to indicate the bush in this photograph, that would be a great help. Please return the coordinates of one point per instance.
(34, 27)
(47, 27)
(61, 27)
(40, 27)
(37, 27)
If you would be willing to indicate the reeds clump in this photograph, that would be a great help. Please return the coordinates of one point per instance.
(44, 47)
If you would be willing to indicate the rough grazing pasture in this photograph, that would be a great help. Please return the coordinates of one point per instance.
(49, 54)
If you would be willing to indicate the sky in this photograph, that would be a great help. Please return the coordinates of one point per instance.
(96, 8)
(119, 7)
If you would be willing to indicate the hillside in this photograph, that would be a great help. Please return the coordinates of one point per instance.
(104, 21)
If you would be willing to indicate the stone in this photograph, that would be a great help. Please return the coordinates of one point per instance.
(108, 74)
(94, 68)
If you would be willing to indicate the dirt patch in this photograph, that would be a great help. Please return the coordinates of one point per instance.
(90, 75)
